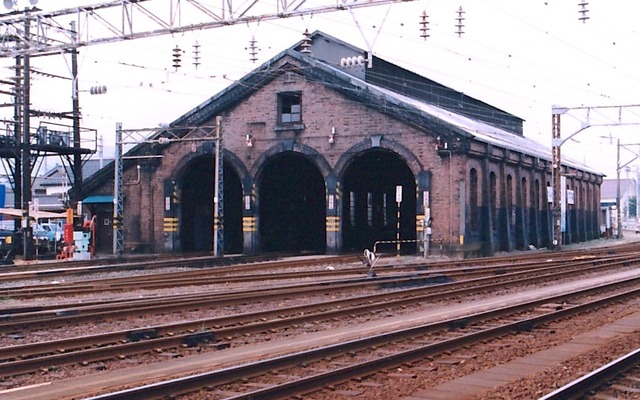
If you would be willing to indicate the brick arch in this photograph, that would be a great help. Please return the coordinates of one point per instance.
(179, 167)
(312, 154)
(405, 154)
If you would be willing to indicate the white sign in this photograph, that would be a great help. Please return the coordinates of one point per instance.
(399, 194)
(570, 198)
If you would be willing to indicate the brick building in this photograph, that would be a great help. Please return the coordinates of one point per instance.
(315, 144)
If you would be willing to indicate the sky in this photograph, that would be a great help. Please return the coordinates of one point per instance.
(524, 57)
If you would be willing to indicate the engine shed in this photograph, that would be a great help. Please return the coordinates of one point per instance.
(328, 149)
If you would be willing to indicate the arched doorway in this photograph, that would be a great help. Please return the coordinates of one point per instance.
(370, 210)
(292, 205)
(195, 188)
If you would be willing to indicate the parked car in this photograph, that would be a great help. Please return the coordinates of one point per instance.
(48, 231)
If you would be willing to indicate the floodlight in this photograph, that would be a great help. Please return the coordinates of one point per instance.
(9, 4)
(33, 2)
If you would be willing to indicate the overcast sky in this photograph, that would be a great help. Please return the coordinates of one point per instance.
(520, 56)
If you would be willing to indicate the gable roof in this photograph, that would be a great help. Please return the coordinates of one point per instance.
(609, 189)
(61, 175)
(416, 110)
(382, 73)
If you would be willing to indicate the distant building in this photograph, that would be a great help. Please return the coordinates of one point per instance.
(51, 189)
(628, 201)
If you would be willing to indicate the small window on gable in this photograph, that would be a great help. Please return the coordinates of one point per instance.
(289, 108)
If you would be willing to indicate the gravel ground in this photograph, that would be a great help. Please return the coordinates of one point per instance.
(428, 373)
(406, 380)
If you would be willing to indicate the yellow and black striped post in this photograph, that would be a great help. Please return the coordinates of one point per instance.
(333, 223)
(248, 224)
(170, 224)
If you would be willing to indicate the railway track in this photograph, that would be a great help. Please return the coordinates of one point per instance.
(321, 363)
(133, 260)
(246, 264)
(618, 379)
(400, 287)
(227, 331)
(193, 273)
(393, 278)
(224, 264)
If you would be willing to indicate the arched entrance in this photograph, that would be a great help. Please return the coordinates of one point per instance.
(195, 188)
(369, 207)
(292, 205)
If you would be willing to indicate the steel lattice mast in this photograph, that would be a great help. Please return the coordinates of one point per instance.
(121, 20)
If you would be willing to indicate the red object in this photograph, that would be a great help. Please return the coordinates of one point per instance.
(67, 233)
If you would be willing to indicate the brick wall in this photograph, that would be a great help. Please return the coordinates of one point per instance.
(322, 109)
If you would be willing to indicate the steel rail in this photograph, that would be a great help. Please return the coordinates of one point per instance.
(211, 330)
(183, 385)
(70, 267)
(116, 283)
(192, 262)
(134, 261)
(231, 263)
(77, 313)
(12, 319)
(166, 280)
(585, 384)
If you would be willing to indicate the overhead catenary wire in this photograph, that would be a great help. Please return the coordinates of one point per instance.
(549, 82)
(477, 60)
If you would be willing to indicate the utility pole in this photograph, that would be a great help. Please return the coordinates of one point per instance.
(636, 192)
(618, 211)
(618, 189)
(17, 132)
(118, 197)
(557, 141)
(218, 190)
(25, 148)
(556, 165)
(77, 156)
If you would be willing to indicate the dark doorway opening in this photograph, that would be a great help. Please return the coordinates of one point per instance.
(196, 211)
(292, 205)
(369, 207)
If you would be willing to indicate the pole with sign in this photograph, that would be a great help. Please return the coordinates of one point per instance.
(426, 223)
(398, 201)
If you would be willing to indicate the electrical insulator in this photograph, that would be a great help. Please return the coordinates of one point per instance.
(253, 49)
(460, 22)
(424, 25)
(583, 11)
(196, 55)
(177, 55)
(306, 42)
(98, 89)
